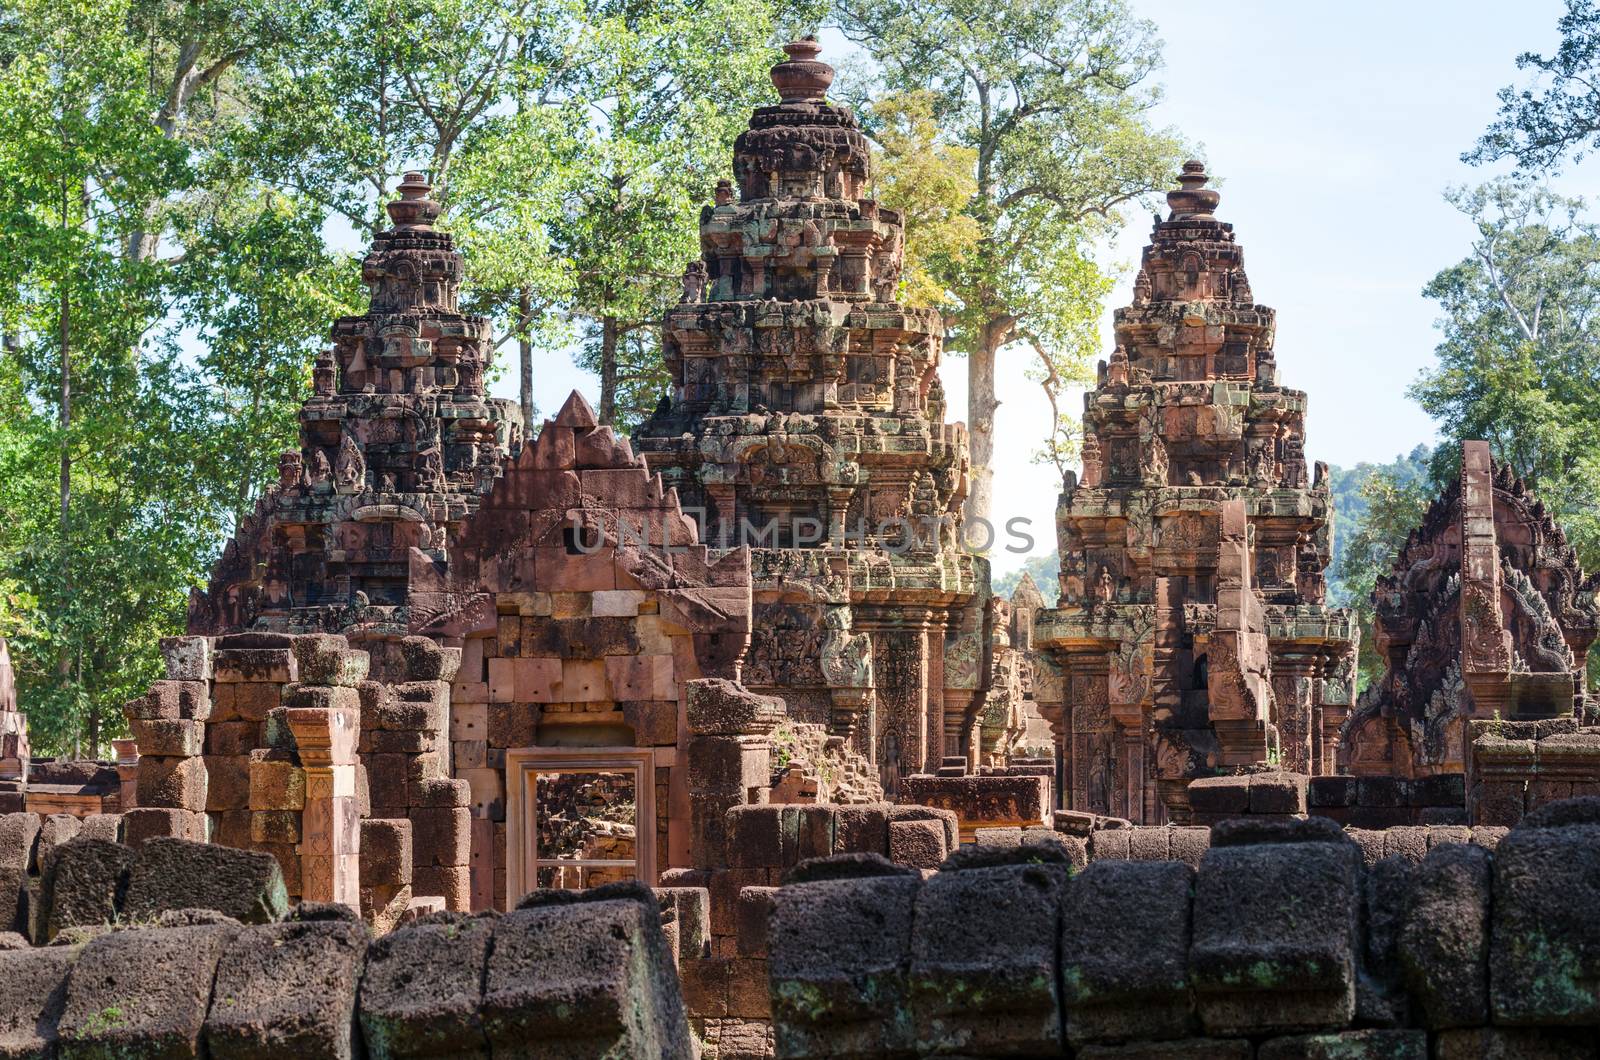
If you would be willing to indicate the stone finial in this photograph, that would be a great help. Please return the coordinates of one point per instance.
(576, 413)
(1193, 198)
(802, 78)
(413, 209)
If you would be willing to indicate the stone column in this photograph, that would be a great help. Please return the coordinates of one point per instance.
(729, 754)
(1294, 681)
(127, 773)
(330, 830)
(1485, 642)
(323, 714)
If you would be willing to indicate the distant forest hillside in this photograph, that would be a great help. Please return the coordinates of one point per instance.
(1350, 508)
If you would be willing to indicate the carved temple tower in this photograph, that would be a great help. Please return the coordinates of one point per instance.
(1485, 615)
(807, 420)
(398, 441)
(1191, 637)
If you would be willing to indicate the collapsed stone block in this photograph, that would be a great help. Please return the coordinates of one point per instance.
(1544, 958)
(179, 874)
(919, 844)
(1275, 913)
(142, 993)
(288, 989)
(1516, 1043)
(33, 992)
(422, 988)
(83, 886)
(986, 933)
(861, 829)
(839, 954)
(1444, 945)
(584, 974)
(1125, 931)
(686, 918)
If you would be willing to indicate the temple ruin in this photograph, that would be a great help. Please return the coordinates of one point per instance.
(717, 742)
(806, 421)
(1192, 635)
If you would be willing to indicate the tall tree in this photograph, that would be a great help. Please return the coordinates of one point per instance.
(125, 231)
(668, 85)
(1053, 98)
(1557, 114)
(1519, 364)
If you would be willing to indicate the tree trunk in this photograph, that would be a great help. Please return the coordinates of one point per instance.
(609, 330)
(525, 358)
(64, 422)
(981, 406)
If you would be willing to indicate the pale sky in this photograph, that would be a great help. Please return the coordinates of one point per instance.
(1335, 130)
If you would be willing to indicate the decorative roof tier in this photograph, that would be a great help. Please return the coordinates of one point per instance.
(398, 441)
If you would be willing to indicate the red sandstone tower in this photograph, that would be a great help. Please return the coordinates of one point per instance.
(1191, 635)
(398, 441)
(807, 420)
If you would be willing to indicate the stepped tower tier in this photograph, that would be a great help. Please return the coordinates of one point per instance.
(806, 420)
(398, 441)
(1192, 635)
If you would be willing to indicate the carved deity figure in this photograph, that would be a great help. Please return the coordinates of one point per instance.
(350, 470)
(694, 283)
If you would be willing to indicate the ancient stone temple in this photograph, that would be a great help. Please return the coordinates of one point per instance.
(1486, 615)
(397, 443)
(1191, 635)
(807, 421)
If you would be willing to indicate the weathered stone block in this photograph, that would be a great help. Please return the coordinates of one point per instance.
(839, 955)
(688, 912)
(724, 708)
(919, 844)
(1125, 930)
(177, 783)
(1444, 945)
(288, 989)
(989, 934)
(170, 737)
(587, 975)
(441, 835)
(187, 658)
(385, 852)
(1278, 793)
(327, 659)
(172, 700)
(149, 822)
(422, 988)
(1350, 1045)
(1544, 960)
(1275, 914)
(142, 993)
(84, 886)
(33, 991)
(178, 874)
(1220, 795)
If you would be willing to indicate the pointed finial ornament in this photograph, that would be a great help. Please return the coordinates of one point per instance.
(414, 209)
(1193, 198)
(802, 77)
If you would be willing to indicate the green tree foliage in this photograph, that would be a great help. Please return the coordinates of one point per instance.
(669, 84)
(122, 237)
(1052, 97)
(1519, 364)
(1557, 113)
(1374, 507)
